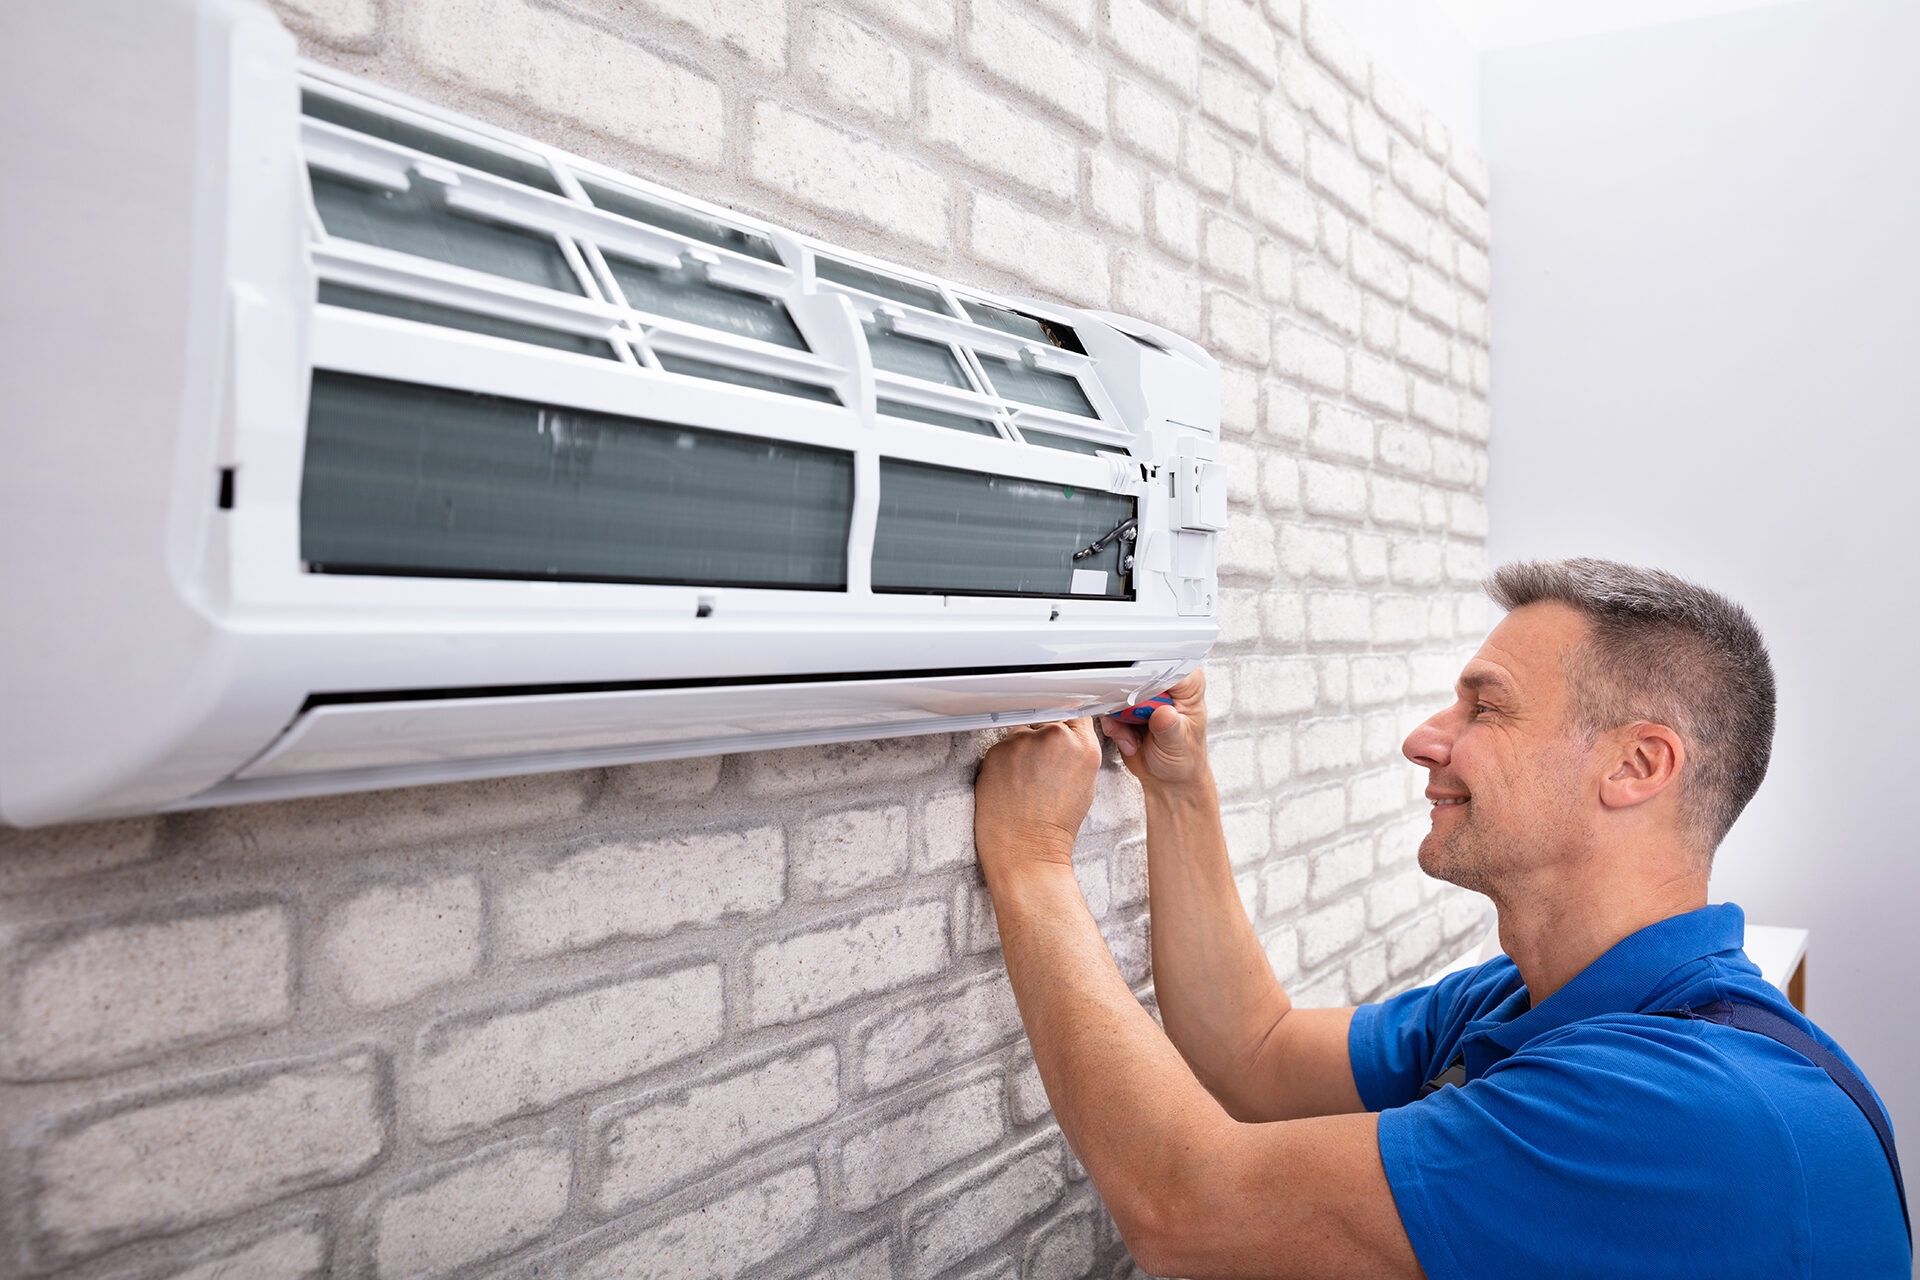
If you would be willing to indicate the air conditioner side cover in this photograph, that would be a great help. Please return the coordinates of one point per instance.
(150, 195)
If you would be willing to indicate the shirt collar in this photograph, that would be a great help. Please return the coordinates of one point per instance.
(1624, 979)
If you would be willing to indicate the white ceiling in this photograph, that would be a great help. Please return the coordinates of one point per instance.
(1503, 24)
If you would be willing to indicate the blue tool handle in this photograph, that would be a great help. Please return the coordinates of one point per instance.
(1144, 712)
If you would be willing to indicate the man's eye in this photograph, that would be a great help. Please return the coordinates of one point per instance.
(1480, 709)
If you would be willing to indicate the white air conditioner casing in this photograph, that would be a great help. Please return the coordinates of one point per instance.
(270, 524)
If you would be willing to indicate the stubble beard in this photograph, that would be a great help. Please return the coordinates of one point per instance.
(1462, 856)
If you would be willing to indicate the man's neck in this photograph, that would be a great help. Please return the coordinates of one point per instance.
(1552, 936)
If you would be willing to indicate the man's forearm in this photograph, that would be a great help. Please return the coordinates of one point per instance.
(1123, 1097)
(1217, 993)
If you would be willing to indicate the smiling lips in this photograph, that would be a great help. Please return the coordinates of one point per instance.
(1442, 802)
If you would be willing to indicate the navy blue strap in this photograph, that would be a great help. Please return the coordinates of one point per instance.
(1765, 1022)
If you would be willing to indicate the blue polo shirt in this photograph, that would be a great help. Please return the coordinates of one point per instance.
(1595, 1139)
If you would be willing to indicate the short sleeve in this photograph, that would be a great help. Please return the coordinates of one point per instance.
(1601, 1150)
(1393, 1046)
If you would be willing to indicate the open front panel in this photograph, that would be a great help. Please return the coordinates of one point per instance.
(949, 532)
(424, 481)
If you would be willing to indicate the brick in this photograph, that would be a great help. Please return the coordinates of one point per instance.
(1283, 886)
(1400, 107)
(1424, 347)
(343, 23)
(948, 820)
(1276, 271)
(1335, 231)
(1314, 92)
(1330, 930)
(1249, 833)
(1238, 29)
(995, 136)
(1275, 686)
(1117, 802)
(1277, 200)
(1230, 250)
(1207, 160)
(1247, 547)
(1329, 296)
(870, 1261)
(1380, 268)
(83, 997)
(390, 944)
(1335, 50)
(1239, 400)
(1435, 405)
(1116, 193)
(864, 181)
(810, 770)
(661, 781)
(1383, 736)
(1476, 421)
(1399, 221)
(1061, 259)
(659, 1143)
(296, 1251)
(1283, 409)
(470, 1071)
(1466, 515)
(1230, 99)
(1335, 617)
(1473, 318)
(974, 920)
(1379, 324)
(1309, 358)
(1061, 1250)
(1419, 177)
(1284, 133)
(497, 1200)
(1333, 490)
(1474, 269)
(1001, 39)
(983, 1206)
(42, 856)
(1155, 44)
(1441, 243)
(1369, 557)
(752, 29)
(1156, 291)
(1144, 122)
(801, 976)
(1333, 681)
(1367, 971)
(1399, 619)
(1406, 449)
(1127, 873)
(204, 1152)
(1339, 176)
(1414, 562)
(1467, 215)
(1237, 328)
(1309, 816)
(1433, 298)
(1310, 552)
(840, 852)
(1236, 768)
(538, 58)
(861, 71)
(885, 1158)
(1394, 502)
(1433, 508)
(1376, 679)
(645, 889)
(1345, 864)
(1320, 745)
(895, 1048)
(928, 20)
(1276, 756)
(1280, 482)
(1285, 14)
(1370, 138)
(1378, 383)
(1389, 899)
(1415, 948)
(724, 1238)
(1173, 218)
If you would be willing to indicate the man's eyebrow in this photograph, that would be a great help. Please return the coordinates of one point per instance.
(1487, 682)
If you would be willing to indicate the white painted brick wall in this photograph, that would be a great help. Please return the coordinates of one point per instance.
(746, 1016)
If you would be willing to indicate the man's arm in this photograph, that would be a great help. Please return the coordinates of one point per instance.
(1194, 1192)
(1223, 1008)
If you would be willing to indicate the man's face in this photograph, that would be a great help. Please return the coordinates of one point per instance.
(1505, 767)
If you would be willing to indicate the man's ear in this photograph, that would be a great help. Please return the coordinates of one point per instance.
(1645, 760)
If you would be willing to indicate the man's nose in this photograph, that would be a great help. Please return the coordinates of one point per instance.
(1431, 745)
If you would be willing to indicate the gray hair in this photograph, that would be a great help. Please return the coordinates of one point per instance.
(1665, 650)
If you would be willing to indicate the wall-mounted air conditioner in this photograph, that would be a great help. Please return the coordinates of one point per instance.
(351, 443)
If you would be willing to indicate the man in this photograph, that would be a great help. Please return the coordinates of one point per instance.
(1603, 739)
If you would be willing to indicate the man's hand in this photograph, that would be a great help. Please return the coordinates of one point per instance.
(1171, 748)
(1034, 790)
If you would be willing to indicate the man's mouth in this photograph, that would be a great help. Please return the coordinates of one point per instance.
(1443, 802)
